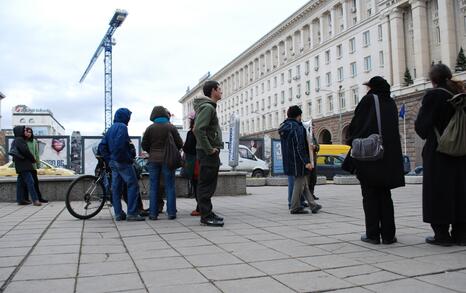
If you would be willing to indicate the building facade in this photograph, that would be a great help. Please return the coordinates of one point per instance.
(320, 56)
(41, 121)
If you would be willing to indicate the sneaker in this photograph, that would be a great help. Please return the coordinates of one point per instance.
(299, 211)
(211, 221)
(366, 239)
(133, 218)
(441, 242)
(217, 217)
(195, 213)
(153, 218)
(315, 209)
(172, 217)
(43, 200)
(24, 203)
(144, 213)
(36, 203)
(305, 205)
(315, 197)
(391, 241)
(121, 217)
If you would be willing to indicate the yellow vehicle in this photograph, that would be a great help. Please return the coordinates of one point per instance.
(334, 149)
(45, 169)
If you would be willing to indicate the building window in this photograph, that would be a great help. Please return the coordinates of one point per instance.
(380, 32)
(298, 89)
(31, 121)
(316, 63)
(308, 87)
(327, 57)
(342, 100)
(317, 83)
(283, 97)
(353, 69)
(355, 94)
(275, 82)
(366, 38)
(263, 104)
(319, 106)
(298, 71)
(22, 120)
(246, 95)
(437, 35)
(257, 106)
(257, 90)
(340, 73)
(330, 103)
(269, 102)
(282, 78)
(275, 99)
(339, 51)
(328, 78)
(252, 93)
(352, 45)
(262, 87)
(306, 68)
(268, 85)
(290, 94)
(367, 63)
(309, 108)
(247, 110)
(464, 23)
(381, 59)
(290, 74)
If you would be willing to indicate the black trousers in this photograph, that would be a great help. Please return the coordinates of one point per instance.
(442, 231)
(379, 212)
(313, 179)
(207, 183)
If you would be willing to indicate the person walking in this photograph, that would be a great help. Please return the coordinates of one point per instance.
(443, 184)
(377, 178)
(117, 142)
(24, 161)
(296, 163)
(154, 142)
(33, 147)
(208, 144)
(191, 167)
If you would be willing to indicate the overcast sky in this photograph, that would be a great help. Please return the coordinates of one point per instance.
(162, 47)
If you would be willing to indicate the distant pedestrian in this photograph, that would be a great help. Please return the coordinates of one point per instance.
(208, 144)
(444, 182)
(122, 155)
(191, 168)
(296, 160)
(377, 178)
(24, 161)
(33, 146)
(154, 142)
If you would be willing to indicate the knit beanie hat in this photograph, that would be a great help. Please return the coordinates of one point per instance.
(157, 112)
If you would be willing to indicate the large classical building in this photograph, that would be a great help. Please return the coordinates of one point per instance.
(320, 56)
(41, 121)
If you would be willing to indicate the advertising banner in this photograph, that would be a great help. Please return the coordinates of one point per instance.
(277, 159)
(255, 145)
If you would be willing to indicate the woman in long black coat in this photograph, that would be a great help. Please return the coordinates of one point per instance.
(444, 182)
(377, 178)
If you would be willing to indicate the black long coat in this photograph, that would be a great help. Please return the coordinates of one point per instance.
(24, 164)
(387, 172)
(444, 182)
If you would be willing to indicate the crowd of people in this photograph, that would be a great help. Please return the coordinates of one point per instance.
(444, 184)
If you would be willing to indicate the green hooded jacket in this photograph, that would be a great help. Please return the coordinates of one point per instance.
(33, 147)
(206, 127)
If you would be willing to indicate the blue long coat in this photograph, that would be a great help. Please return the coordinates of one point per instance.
(295, 148)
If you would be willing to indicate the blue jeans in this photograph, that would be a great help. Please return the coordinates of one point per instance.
(25, 184)
(290, 191)
(122, 172)
(155, 169)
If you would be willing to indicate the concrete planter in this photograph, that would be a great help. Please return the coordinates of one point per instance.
(255, 181)
(345, 180)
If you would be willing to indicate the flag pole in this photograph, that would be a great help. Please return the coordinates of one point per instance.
(404, 131)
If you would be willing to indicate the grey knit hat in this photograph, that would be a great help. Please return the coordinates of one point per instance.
(158, 111)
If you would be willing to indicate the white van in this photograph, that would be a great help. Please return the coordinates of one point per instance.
(247, 162)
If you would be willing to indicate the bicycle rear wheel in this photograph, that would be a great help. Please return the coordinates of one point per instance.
(85, 197)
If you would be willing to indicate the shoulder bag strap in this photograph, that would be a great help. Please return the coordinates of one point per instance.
(377, 112)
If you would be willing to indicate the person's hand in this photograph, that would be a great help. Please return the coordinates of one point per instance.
(214, 150)
(308, 166)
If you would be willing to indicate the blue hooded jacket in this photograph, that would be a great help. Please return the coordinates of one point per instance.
(295, 148)
(117, 140)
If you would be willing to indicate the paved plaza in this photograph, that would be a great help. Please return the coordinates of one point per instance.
(262, 248)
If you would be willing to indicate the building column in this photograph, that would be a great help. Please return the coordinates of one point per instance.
(448, 45)
(421, 55)
(387, 52)
(398, 46)
(359, 11)
(344, 6)
(333, 16)
(321, 28)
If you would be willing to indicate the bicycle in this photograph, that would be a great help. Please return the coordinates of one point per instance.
(87, 194)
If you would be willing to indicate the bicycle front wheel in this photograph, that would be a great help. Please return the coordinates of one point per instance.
(85, 197)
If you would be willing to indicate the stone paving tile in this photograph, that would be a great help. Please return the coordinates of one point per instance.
(351, 290)
(10, 261)
(312, 281)
(52, 259)
(283, 266)
(122, 283)
(201, 288)
(407, 285)
(252, 285)
(37, 272)
(196, 250)
(409, 267)
(263, 254)
(213, 259)
(164, 263)
(330, 261)
(228, 272)
(455, 260)
(451, 280)
(106, 268)
(153, 253)
(5, 273)
(156, 279)
(104, 257)
(50, 286)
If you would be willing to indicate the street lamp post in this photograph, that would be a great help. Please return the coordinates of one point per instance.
(340, 87)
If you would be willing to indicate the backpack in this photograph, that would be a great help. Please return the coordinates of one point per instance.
(453, 139)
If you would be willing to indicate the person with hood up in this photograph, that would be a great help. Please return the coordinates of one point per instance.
(122, 155)
(153, 142)
(208, 144)
(24, 161)
(296, 160)
(34, 149)
(377, 178)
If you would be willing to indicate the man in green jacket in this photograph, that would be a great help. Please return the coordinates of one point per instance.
(209, 142)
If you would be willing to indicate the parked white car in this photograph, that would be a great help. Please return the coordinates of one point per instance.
(247, 162)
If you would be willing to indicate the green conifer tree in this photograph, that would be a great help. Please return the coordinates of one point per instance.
(460, 61)
(408, 78)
